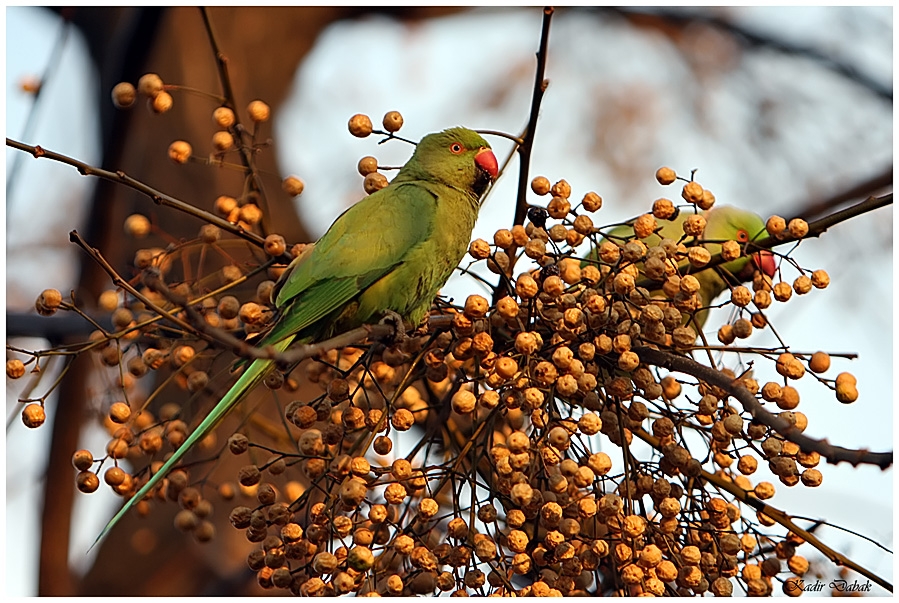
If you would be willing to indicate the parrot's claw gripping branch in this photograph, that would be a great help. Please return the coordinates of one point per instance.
(392, 318)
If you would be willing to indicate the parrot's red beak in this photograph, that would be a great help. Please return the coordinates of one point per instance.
(764, 260)
(487, 161)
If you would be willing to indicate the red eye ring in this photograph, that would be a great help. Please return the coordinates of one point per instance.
(456, 148)
(742, 236)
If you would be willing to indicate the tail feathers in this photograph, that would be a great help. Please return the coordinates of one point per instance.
(251, 377)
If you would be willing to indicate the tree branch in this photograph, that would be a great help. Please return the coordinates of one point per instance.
(833, 454)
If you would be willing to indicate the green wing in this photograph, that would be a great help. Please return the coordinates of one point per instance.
(342, 265)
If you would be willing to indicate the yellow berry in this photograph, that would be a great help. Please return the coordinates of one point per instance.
(224, 205)
(293, 186)
(360, 125)
(222, 140)
(591, 202)
(15, 368)
(162, 102)
(526, 287)
(479, 249)
(665, 175)
(561, 189)
(644, 226)
(137, 226)
(392, 121)
(663, 209)
(730, 250)
(820, 279)
(694, 225)
(692, 192)
(798, 228)
(782, 291)
(223, 117)
(819, 362)
(179, 151)
(558, 207)
(540, 185)
(87, 482)
(275, 245)
(367, 165)
(706, 201)
(33, 415)
(463, 402)
(374, 182)
(48, 302)
(251, 214)
(258, 111)
(123, 95)
(775, 225)
(150, 85)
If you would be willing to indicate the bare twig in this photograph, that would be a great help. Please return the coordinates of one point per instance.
(158, 197)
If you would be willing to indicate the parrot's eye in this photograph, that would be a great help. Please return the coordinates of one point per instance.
(742, 236)
(456, 148)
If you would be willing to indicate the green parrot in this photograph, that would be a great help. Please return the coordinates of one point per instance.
(391, 251)
(723, 223)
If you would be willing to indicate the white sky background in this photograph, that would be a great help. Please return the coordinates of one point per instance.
(477, 70)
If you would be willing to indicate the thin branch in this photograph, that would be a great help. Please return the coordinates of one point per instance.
(118, 281)
(833, 454)
(527, 137)
(158, 197)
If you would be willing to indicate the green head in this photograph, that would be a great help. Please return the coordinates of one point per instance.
(457, 157)
(729, 223)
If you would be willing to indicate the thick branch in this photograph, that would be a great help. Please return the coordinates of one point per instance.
(833, 454)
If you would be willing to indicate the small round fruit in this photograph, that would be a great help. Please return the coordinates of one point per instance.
(392, 121)
(123, 95)
(360, 125)
(258, 111)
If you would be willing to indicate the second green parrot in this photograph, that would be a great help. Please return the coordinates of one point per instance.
(391, 251)
(723, 223)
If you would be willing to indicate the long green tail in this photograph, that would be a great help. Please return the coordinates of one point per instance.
(250, 378)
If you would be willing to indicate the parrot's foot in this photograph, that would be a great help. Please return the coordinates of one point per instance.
(391, 317)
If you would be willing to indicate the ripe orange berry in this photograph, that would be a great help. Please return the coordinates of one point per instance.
(137, 226)
(87, 482)
(694, 225)
(775, 225)
(665, 175)
(162, 102)
(540, 185)
(561, 189)
(819, 362)
(392, 121)
(223, 117)
(222, 140)
(258, 111)
(798, 228)
(33, 415)
(150, 85)
(692, 192)
(15, 368)
(275, 245)
(123, 95)
(360, 125)
(367, 165)
(591, 202)
(180, 151)
(374, 182)
(48, 302)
